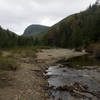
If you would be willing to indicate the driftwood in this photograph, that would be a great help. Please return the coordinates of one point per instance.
(79, 90)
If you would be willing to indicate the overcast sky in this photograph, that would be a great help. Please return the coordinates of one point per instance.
(16, 15)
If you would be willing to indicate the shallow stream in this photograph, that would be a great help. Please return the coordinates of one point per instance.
(69, 83)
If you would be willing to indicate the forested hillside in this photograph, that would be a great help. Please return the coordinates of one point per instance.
(80, 29)
(77, 30)
(9, 39)
(33, 30)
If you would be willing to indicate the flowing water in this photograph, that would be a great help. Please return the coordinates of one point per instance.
(61, 75)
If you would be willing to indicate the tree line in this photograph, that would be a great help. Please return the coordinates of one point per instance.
(77, 30)
(9, 39)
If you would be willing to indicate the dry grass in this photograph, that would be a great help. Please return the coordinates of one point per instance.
(27, 51)
(8, 64)
(5, 79)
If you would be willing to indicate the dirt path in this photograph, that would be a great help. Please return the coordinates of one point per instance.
(28, 82)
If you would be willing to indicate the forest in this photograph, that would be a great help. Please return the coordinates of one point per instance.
(81, 29)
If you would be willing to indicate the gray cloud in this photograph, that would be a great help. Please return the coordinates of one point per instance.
(18, 14)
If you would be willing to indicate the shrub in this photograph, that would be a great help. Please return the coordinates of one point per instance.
(97, 51)
(94, 49)
(0, 53)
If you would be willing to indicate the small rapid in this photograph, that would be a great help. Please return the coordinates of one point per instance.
(73, 84)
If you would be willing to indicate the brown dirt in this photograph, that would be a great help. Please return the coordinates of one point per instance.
(28, 83)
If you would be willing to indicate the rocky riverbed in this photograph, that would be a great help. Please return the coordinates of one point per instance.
(76, 78)
(28, 82)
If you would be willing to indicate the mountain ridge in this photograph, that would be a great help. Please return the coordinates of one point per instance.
(34, 29)
(74, 30)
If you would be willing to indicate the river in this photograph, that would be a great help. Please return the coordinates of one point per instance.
(75, 79)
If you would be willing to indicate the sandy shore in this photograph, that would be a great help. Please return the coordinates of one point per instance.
(28, 82)
(52, 55)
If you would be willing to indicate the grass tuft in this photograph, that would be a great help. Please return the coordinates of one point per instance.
(8, 64)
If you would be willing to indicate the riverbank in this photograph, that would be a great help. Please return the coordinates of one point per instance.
(53, 55)
(28, 82)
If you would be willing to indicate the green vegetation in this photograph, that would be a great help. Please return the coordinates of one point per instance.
(33, 30)
(78, 30)
(9, 39)
(81, 29)
(0, 53)
(24, 52)
(94, 49)
(7, 61)
(81, 62)
(8, 64)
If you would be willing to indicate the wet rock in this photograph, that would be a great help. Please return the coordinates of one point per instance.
(79, 90)
(73, 83)
(46, 76)
(74, 86)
